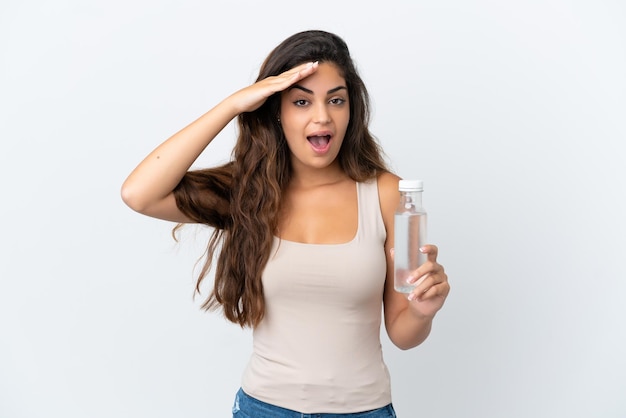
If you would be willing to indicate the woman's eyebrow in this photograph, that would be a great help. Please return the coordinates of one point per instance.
(304, 89)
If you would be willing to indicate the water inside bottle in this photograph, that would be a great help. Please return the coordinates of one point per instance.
(410, 235)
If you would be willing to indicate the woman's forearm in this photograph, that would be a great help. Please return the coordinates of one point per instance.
(154, 179)
(408, 330)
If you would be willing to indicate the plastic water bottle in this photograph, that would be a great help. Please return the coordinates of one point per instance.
(409, 233)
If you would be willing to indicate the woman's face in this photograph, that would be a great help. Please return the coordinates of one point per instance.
(314, 115)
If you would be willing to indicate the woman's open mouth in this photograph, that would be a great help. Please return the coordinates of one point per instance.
(320, 141)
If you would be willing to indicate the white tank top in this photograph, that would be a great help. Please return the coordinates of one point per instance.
(318, 348)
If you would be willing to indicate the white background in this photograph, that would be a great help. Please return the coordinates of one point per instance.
(513, 113)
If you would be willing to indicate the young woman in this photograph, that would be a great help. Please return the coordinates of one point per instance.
(303, 218)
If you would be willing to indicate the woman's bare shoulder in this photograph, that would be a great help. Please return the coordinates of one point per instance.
(388, 184)
(388, 193)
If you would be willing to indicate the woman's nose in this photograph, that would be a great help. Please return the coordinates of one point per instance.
(321, 114)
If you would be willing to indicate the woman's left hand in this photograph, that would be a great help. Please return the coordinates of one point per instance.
(432, 286)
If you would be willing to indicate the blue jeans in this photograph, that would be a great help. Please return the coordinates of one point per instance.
(246, 406)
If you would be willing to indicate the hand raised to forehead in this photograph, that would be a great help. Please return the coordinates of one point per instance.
(252, 97)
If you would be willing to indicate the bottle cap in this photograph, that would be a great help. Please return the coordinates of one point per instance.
(411, 185)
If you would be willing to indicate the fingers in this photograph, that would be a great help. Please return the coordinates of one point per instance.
(289, 77)
(252, 97)
(430, 286)
(431, 251)
(430, 278)
(430, 265)
(304, 70)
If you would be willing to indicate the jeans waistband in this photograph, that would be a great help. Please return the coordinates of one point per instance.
(246, 405)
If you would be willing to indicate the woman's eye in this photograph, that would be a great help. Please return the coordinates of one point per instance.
(300, 102)
(337, 101)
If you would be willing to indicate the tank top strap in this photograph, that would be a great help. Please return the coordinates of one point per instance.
(371, 224)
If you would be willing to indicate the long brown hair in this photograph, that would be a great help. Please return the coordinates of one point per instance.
(241, 200)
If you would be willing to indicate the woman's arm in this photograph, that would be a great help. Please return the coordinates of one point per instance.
(149, 187)
(409, 320)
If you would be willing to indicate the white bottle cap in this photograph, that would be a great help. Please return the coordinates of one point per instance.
(411, 185)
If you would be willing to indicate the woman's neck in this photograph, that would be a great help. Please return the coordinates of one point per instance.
(306, 177)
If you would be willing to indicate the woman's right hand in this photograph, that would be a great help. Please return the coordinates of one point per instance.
(252, 97)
